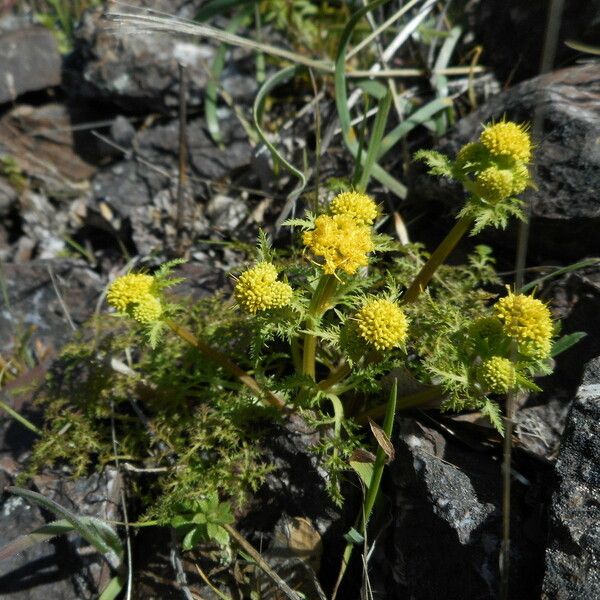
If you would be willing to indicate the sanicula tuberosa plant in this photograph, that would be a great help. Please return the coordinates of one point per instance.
(315, 332)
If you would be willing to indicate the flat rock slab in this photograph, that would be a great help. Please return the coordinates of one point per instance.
(30, 62)
(573, 553)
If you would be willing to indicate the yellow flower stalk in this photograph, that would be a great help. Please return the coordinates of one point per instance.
(257, 289)
(341, 242)
(360, 207)
(528, 321)
(382, 324)
(508, 139)
(497, 375)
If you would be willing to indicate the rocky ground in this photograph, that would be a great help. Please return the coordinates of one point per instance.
(89, 148)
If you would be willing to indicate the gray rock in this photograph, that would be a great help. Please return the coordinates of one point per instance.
(565, 206)
(8, 197)
(137, 70)
(30, 62)
(445, 532)
(573, 553)
(33, 303)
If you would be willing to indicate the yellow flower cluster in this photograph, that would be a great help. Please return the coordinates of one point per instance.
(528, 321)
(497, 375)
(382, 324)
(343, 239)
(508, 139)
(258, 289)
(360, 207)
(134, 294)
(498, 161)
(341, 242)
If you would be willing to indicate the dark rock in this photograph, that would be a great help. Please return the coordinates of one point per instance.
(512, 33)
(445, 534)
(565, 207)
(33, 302)
(136, 198)
(8, 196)
(137, 70)
(573, 553)
(30, 62)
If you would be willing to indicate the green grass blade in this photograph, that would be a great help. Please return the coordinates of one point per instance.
(212, 87)
(90, 534)
(112, 590)
(566, 341)
(381, 456)
(417, 118)
(257, 115)
(582, 264)
(17, 417)
(341, 100)
(375, 140)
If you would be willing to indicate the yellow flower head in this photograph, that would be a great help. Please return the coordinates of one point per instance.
(147, 310)
(129, 289)
(520, 178)
(497, 375)
(507, 139)
(341, 242)
(382, 324)
(486, 327)
(360, 207)
(494, 184)
(526, 320)
(258, 289)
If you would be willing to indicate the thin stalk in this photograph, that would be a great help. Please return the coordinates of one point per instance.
(318, 305)
(372, 494)
(20, 418)
(410, 401)
(437, 258)
(223, 361)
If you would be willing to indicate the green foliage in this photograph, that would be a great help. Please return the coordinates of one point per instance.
(202, 521)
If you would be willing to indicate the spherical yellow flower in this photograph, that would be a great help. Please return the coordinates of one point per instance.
(148, 309)
(341, 242)
(486, 327)
(508, 139)
(494, 184)
(497, 375)
(528, 321)
(129, 289)
(360, 207)
(382, 324)
(258, 289)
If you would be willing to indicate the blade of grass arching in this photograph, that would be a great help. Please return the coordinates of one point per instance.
(375, 140)
(582, 264)
(257, 116)
(37, 536)
(212, 87)
(90, 534)
(341, 100)
(419, 117)
(217, 7)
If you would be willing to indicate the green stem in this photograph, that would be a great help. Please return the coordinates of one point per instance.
(223, 361)
(318, 305)
(20, 418)
(381, 459)
(437, 258)
(403, 403)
